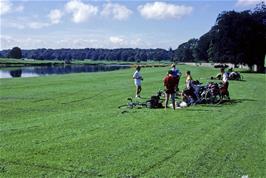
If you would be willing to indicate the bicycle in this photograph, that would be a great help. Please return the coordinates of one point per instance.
(215, 93)
(154, 102)
(133, 104)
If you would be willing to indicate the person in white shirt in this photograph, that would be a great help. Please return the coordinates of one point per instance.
(224, 76)
(137, 80)
(224, 88)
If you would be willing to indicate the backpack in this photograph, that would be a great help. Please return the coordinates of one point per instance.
(154, 102)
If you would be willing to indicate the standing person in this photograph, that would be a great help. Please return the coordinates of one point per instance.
(137, 80)
(224, 88)
(170, 88)
(176, 75)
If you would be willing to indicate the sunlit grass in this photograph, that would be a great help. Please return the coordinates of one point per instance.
(70, 126)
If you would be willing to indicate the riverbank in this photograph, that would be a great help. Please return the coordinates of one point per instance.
(5, 62)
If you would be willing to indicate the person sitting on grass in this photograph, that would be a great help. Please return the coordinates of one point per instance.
(170, 88)
(189, 92)
(137, 80)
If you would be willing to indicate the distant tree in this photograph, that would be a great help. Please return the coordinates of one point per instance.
(121, 54)
(171, 54)
(240, 37)
(15, 53)
(186, 52)
(236, 37)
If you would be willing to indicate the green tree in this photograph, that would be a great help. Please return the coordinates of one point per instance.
(15, 53)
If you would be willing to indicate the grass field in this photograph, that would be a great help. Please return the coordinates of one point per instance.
(7, 62)
(70, 126)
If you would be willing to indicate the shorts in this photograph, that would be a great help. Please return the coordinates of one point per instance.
(170, 91)
(137, 83)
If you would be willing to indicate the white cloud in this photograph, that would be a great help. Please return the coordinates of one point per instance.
(80, 11)
(94, 40)
(38, 25)
(16, 25)
(117, 11)
(136, 42)
(55, 16)
(33, 42)
(19, 8)
(24, 23)
(117, 40)
(5, 7)
(248, 2)
(163, 10)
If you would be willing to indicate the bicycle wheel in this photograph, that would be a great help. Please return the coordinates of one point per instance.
(211, 98)
(126, 106)
(140, 105)
(216, 99)
(207, 96)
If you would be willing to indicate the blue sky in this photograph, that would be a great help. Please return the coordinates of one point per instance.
(32, 24)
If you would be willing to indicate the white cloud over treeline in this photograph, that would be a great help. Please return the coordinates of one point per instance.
(249, 2)
(116, 11)
(80, 11)
(163, 10)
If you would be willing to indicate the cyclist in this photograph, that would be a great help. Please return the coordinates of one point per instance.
(225, 83)
(170, 88)
(176, 74)
(189, 92)
(137, 80)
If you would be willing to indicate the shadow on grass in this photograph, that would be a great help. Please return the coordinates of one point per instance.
(218, 81)
(199, 109)
(242, 80)
(235, 101)
(228, 102)
(251, 72)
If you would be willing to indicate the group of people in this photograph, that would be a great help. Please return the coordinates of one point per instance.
(232, 75)
(171, 84)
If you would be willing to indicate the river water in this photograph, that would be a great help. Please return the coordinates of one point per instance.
(53, 70)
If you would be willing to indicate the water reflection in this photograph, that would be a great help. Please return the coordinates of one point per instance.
(15, 73)
(49, 70)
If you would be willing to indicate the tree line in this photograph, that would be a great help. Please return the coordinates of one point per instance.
(122, 54)
(236, 37)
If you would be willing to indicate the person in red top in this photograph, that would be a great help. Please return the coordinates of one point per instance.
(170, 88)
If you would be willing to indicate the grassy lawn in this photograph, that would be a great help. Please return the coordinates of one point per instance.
(6, 62)
(70, 126)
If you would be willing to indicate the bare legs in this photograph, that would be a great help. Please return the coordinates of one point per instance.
(138, 90)
(167, 96)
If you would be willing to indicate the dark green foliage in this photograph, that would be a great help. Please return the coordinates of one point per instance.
(239, 38)
(15, 53)
(122, 54)
(186, 51)
(236, 37)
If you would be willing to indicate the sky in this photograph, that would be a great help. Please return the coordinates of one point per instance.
(32, 24)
